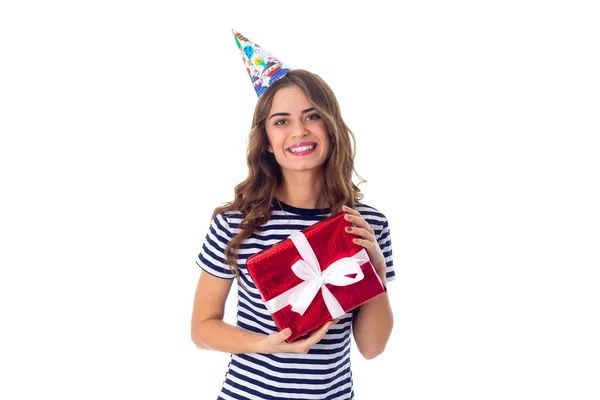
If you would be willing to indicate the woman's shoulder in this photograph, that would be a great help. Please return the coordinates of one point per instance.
(230, 218)
(375, 218)
(371, 214)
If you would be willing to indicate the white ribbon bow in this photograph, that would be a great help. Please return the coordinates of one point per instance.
(309, 270)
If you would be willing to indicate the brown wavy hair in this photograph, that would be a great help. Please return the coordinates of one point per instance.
(254, 196)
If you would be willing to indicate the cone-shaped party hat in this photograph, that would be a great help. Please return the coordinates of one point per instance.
(263, 68)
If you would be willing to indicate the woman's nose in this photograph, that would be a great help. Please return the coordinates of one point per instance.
(299, 130)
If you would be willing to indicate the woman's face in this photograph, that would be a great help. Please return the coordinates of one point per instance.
(297, 134)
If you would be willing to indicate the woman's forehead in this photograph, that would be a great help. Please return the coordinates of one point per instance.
(290, 99)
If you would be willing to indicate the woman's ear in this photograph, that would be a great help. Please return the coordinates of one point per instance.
(270, 148)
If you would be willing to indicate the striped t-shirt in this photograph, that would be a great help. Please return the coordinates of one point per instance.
(324, 372)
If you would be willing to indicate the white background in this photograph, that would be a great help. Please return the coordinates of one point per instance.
(124, 124)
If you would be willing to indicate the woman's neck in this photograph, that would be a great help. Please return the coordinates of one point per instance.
(302, 190)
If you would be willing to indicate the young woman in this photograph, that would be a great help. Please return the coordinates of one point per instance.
(300, 159)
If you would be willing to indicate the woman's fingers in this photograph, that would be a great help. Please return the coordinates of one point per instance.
(362, 232)
(304, 345)
(278, 338)
(367, 244)
(319, 333)
(366, 237)
(350, 210)
(358, 221)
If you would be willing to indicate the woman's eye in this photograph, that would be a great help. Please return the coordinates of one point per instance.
(314, 116)
(280, 122)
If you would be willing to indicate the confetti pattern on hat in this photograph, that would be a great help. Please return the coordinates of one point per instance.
(263, 68)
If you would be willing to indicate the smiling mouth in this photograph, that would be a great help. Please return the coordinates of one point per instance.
(301, 149)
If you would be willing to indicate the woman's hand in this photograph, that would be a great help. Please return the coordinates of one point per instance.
(275, 342)
(366, 238)
(372, 324)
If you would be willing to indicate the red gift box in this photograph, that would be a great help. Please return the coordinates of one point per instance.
(314, 276)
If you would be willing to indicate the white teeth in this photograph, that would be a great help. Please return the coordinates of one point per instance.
(302, 148)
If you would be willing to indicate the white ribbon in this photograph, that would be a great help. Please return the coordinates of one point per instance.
(309, 270)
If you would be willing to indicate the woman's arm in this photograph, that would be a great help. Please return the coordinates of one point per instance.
(209, 331)
(373, 321)
(372, 324)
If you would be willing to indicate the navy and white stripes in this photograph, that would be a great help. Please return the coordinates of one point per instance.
(323, 373)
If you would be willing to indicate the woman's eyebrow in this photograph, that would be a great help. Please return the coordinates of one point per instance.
(288, 114)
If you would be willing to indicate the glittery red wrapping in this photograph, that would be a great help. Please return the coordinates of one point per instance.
(271, 271)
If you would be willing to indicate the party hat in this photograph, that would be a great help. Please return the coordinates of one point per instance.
(263, 68)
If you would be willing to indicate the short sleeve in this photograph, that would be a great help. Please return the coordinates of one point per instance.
(384, 240)
(212, 255)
